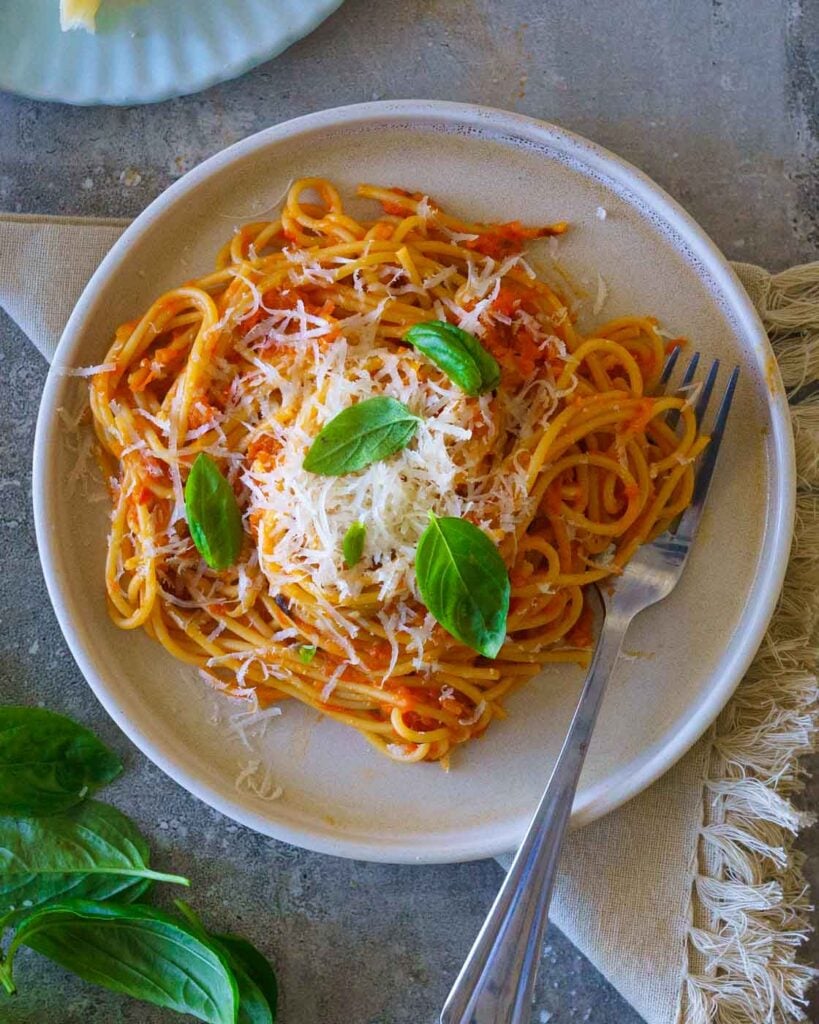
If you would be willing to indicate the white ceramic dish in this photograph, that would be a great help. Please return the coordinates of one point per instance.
(145, 50)
(687, 654)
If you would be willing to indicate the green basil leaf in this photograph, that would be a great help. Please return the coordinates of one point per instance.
(459, 354)
(258, 989)
(360, 435)
(91, 851)
(49, 763)
(306, 653)
(352, 547)
(464, 583)
(213, 514)
(136, 950)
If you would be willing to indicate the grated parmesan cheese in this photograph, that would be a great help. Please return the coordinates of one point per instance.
(606, 557)
(458, 236)
(692, 392)
(87, 371)
(303, 517)
(425, 209)
(601, 296)
(252, 724)
(79, 440)
(258, 780)
(332, 682)
(478, 710)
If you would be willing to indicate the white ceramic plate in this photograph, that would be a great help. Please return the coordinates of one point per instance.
(145, 50)
(686, 654)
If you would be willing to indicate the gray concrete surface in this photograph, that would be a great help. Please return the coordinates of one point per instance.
(716, 99)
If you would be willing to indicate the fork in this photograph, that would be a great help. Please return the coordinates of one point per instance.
(496, 983)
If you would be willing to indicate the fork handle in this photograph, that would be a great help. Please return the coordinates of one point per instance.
(497, 980)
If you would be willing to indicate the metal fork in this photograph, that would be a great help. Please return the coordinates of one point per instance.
(495, 984)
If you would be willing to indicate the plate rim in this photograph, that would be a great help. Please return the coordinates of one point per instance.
(656, 760)
(194, 83)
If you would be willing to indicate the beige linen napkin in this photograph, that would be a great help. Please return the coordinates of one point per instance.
(39, 283)
(690, 898)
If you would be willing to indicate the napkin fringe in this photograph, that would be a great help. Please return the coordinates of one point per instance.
(750, 901)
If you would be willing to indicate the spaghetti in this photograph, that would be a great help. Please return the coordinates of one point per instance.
(569, 465)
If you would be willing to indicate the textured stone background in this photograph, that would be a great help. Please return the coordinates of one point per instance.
(718, 100)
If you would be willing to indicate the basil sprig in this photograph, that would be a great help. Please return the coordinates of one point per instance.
(91, 850)
(213, 514)
(58, 869)
(359, 435)
(49, 763)
(352, 546)
(464, 583)
(136, 950)
(459, 354)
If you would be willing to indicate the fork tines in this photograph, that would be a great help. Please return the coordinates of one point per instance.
(705, 470)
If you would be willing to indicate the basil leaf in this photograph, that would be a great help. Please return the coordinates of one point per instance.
(352, 547)
(360, 435)
(464, 583)
(306, 653)
(459, 354)
(136, 950)
(213, 514)
(258, 990)
(49, 763)
(92, 851)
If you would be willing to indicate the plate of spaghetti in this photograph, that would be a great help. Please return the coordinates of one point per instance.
(360, 411)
